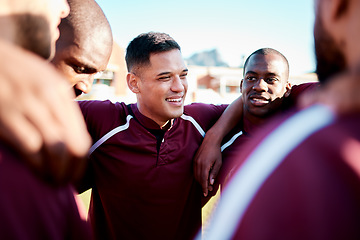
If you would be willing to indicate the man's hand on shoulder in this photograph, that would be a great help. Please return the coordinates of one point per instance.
(38, 116)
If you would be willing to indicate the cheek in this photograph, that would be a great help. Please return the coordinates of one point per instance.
(151, 92)
(70, 75)
(246, 88)
(277, 92)
(72, 79)
(185, 84)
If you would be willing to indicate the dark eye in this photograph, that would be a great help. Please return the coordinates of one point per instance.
(83, 69)
(164, 78)
(184, 75)
(271, 80)
(78, 69)
(250, 78)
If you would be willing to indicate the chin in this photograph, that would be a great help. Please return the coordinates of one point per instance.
(176, 114)
(260, 112)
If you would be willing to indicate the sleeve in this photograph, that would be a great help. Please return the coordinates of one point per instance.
(100, 117)
(205, 114)
(297, 91)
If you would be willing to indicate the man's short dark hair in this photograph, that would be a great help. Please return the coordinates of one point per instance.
(139, 49)
(267, 51)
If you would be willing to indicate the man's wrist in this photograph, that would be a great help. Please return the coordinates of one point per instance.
(214, 137)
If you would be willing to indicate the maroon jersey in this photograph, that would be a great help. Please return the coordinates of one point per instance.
(141, 176)
(296, 180)
(234, 142)
(33, 209)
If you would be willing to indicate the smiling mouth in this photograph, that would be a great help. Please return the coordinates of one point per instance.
(174, 99)
(259, 101)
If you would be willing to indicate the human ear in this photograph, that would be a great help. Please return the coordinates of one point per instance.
(133, 82)
(341, 7)
(241, 83)
(288, 89)
(331, 11)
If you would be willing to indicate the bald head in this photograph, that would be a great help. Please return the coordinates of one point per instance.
(85, 44)
(268, 51)
(86, 18)
(265, 84)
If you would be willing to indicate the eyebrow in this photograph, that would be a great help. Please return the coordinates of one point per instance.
(73, 60)
(251, 72)
(267, 74)
(272, 74)
(165, 73)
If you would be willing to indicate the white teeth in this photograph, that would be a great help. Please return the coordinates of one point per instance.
(260, 100)
(173, 100)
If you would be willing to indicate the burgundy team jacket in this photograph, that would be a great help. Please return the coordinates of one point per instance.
(31, 208)
(298, 178)
(140, 190)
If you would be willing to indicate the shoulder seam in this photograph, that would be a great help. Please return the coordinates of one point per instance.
(110, 134)
(231, 141)
(195, 123)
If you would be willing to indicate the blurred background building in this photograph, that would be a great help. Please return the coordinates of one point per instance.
(210, 79)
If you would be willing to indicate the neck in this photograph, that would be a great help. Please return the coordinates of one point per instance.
(251, 123)
(162, 124)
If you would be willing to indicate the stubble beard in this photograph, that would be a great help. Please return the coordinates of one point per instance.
(33, 34)
(329, 57)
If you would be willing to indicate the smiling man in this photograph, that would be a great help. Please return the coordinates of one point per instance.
(266, 92)
(265, 84)
(141, 163)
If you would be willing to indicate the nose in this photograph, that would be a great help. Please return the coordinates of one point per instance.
(178, 84)
(65, 9)
(86, 84)
(260, 85)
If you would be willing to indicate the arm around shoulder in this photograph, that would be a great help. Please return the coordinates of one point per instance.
(208, 160)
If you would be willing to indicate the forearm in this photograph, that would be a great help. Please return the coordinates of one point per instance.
(227, 121)
(207, 161)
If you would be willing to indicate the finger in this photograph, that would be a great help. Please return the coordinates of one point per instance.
(53, 148)
(48, 122)
(27, 152)
(204, 176)
(70, 140)
(210, 188)
(70, 118)
(16, 131)
(214, 172)
(199, 173)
